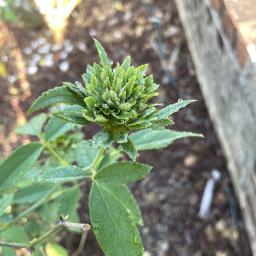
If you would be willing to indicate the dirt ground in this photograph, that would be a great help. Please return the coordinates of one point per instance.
(149, 31)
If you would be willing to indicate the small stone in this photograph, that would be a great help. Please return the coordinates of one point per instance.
(221, 253)
(93, 32)
(220, 226)
(117, 34)
(32, 70)
(56, 47)
(44, 49)
(64, 66)
(81, 46)
(190, 160)
(63, 55)
(27, 51)
(12, 78)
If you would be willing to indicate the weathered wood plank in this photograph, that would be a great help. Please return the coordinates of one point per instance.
(230, 94)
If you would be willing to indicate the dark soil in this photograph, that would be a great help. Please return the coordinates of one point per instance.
(149, 31)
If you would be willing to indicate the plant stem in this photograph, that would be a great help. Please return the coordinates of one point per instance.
(62, 161)
(30, 209)
(13, 245)
(48, 146)
(60, 225)
(85, 230)
(53, 230)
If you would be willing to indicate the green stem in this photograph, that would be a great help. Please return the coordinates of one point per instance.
(48, 146)
(61, 224)
(30, 209)
(13, 245)
(53, 230)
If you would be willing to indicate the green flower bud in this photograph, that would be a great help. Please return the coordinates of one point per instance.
(117, 98)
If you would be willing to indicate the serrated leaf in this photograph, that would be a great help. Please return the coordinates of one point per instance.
(171, 109)
(53, 96)
(86, 153)
(112, 223)
(123, 193)
(154, 139)
(109, 158)
(63, 174)
(56, 127)
(129, 149)
(53, 249)
(17, 163)
(71, 114)
(104, 60)
(34, 126)
(102, 138)
(32, 193)
(123, 172)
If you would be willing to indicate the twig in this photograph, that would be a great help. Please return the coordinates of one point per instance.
(61, 224)
(85, 230)
(13, 245)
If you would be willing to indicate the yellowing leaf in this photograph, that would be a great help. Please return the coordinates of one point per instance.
(55, 250)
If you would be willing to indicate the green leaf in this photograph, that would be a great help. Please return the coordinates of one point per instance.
(18, 162)
(110, 157)
(171, 109)
(34, 126)
(69, 202)
(56, 127)
(123, 172)
(53, 249)
(71, 114)
(86, 153)
(104, 60)
(15, 234)
(63, 174)
(154, 139)
(102, 138)
(123, 193)
(53, 96)
(129, 149)
(32, 193)
(112, 223)
(5, 200)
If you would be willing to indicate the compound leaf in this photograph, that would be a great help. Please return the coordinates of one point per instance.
(32, 193)
(124, 172)
(34, 126)
(113, 224)
(171, 109)
(53, 96)
(56, 127)
(63, 174)
(86, 153)
(18, 162)
(123, 193)
(154, 139)
(71, 114)
(129, 149)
